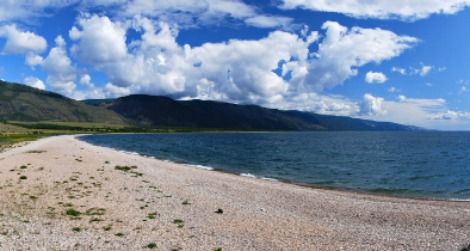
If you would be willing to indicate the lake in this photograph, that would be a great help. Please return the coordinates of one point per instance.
(412, 164)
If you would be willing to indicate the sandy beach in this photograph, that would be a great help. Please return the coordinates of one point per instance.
(60, 193)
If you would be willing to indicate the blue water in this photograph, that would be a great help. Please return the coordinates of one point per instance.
(415, 164)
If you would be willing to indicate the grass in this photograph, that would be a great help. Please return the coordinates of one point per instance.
(72, 212)
(179, 222)
(95, 211)
(125, 168)
(76, 229)
(151, 245)
(152, 216)
(217, 249)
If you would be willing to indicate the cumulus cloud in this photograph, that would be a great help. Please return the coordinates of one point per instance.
(99, 40)
(280, 70)
(373, 106)
(21, 42)
(61, 73)
(381, 9)
(344, 50)
(428, 113)
(375, 77)
(34, 82)
(236, 70)
(33, 59)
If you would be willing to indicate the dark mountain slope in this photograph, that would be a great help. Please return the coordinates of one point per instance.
(156, 111)
(24, 103)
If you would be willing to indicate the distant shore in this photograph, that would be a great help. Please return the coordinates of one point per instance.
(60, 193)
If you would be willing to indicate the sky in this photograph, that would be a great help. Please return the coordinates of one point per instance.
(404, 61)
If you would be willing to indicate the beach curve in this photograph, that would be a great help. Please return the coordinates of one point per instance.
(127, 202)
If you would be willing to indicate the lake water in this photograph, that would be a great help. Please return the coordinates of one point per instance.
(415, 164)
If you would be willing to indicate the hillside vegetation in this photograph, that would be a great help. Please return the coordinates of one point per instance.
(23, 103)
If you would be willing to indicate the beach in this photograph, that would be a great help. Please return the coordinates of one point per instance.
(60, 193)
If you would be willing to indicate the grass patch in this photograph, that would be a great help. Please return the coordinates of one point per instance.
(119, 234)
(72, 212)
(125, 168)
(36, 151)
(152, 216)
(151, 245)
(179, 222)
(95, 211)
(76, 229)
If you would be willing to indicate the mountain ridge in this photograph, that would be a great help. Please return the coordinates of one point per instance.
(27, 104)
(161, 111)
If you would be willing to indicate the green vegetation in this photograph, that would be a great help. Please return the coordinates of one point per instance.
(125, 168)
(76, 229)
(179, 223)
(95, 211)
(72, 212)
(119, 234)
(23, 103)
(152, 216)
(217, 249)
(151, 245)
(23, 177)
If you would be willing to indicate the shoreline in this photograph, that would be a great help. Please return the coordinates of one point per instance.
(285, 181)
(61, 193)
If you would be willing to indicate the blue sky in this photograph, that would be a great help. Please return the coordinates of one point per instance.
(404, 61)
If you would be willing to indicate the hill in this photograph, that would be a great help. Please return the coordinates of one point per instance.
(24, 103)
(164, 112)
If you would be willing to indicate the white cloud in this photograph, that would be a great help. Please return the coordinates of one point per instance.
(33, 59)
(423, 70)
(400, 70)
(381, 9)
(61, 73)
(27, 10)
(264, 21)
(373, 106)
(428, 113)
(99, 40)
(277, 71)
(375, 77)
(237, 70)
(34, 82)
(21, 42)
(344, 50)
(194, 12)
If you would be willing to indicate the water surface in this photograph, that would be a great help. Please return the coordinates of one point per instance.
(417, 164)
